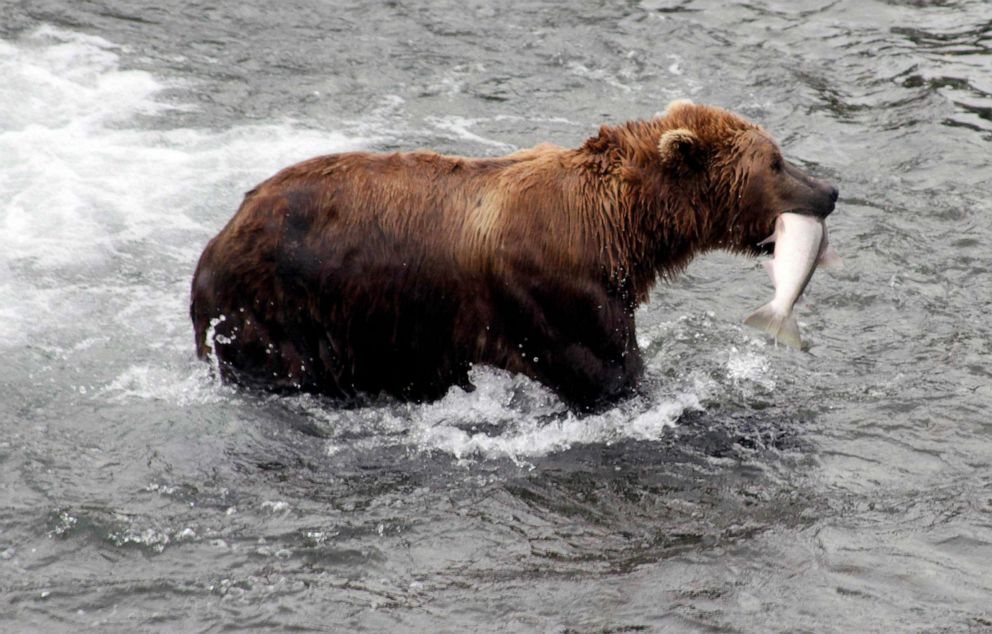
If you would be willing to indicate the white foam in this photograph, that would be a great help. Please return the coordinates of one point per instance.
(180, 386)
(87, 189)
(49, 75)
(77, 180)
(507, 416)
(541, 428)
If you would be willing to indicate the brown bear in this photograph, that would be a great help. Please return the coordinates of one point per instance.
(367, 273)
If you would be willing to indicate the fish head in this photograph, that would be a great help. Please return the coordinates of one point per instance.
(767, 186)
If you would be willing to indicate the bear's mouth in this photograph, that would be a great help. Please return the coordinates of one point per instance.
(816, 213)
(766, 246)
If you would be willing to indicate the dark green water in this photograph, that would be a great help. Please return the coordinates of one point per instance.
(752, 489)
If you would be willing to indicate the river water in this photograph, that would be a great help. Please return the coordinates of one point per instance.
(750, 489)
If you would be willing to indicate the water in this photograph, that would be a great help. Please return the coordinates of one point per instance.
(752, 489)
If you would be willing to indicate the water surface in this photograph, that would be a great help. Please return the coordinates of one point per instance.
(750, 489)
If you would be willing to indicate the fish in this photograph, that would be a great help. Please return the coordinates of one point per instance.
(801, 245)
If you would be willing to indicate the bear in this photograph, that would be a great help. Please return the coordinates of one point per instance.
(361, 274)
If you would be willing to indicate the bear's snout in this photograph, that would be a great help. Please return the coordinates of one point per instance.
(832, 195)
(810, 195)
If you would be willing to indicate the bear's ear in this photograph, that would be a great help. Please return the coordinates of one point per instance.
(680, 148)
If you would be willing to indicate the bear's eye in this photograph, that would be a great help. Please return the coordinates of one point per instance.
(777, 164)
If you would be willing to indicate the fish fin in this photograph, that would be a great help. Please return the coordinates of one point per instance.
(830, 258)
(780, 325)
(770, 269)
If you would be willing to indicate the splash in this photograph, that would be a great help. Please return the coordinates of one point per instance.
(507, 416)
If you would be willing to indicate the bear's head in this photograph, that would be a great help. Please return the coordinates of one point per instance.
(736, 171)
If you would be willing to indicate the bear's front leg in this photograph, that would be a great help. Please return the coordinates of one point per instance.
(578, 340)
(588, 379)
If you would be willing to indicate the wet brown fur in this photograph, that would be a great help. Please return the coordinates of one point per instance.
(366, 273)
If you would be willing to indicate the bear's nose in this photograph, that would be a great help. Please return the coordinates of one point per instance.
(834, 193)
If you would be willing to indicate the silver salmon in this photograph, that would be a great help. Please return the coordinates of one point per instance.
(800, 246)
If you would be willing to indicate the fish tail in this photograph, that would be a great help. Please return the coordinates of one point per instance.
(778, 324)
